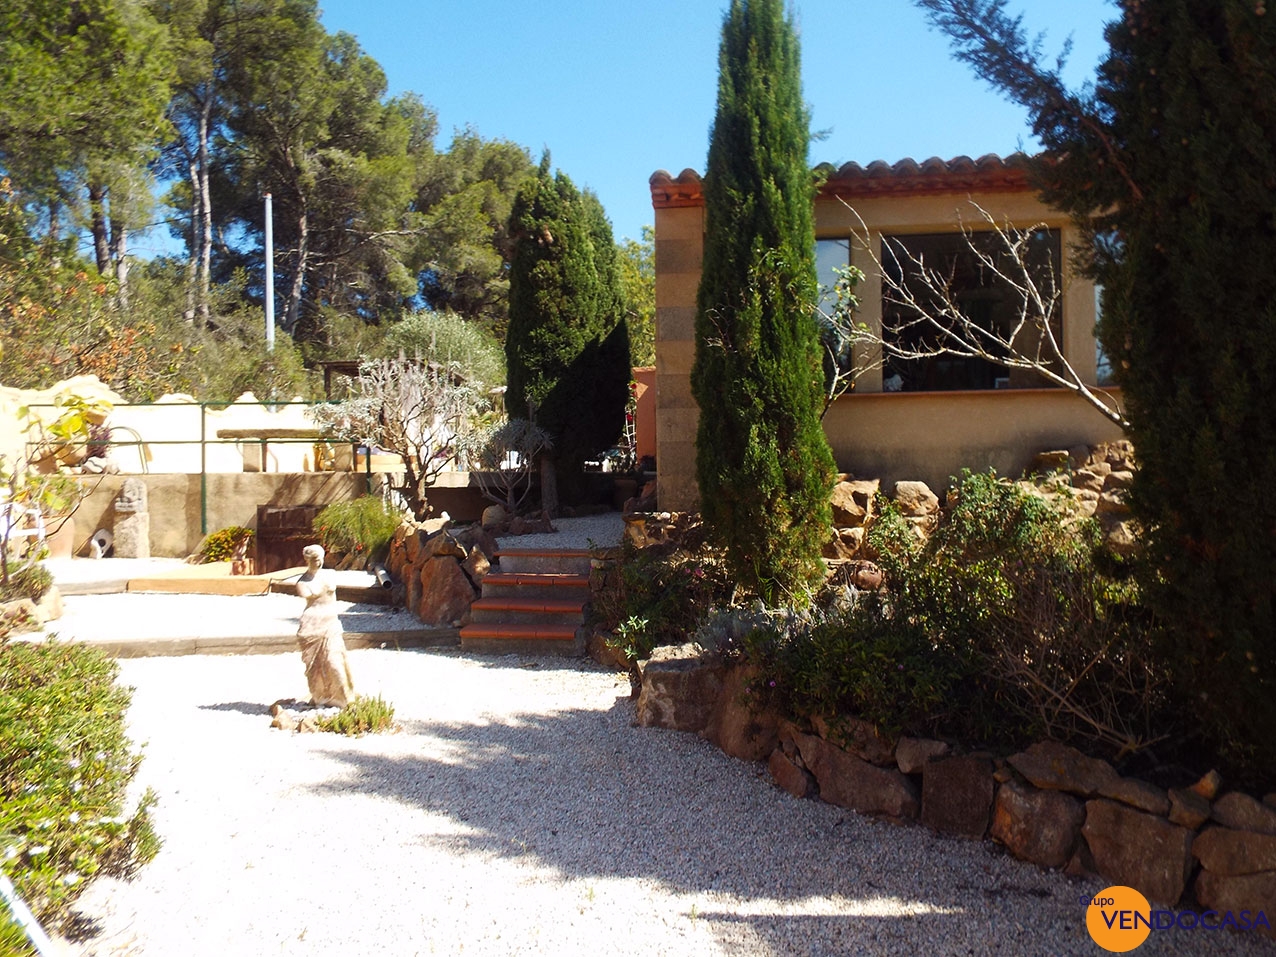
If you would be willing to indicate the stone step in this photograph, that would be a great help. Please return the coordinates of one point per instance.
(523, 639)
(533, 585)
(544, 560)
(523, 610)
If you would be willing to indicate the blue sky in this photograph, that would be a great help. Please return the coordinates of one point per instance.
(617, 90)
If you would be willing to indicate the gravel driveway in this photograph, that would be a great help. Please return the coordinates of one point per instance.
(518, 811)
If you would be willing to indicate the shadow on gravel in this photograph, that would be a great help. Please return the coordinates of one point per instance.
(242, 707)
(585, 793)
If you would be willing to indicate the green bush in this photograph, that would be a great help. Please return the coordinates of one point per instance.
(1007, 624)
(65, 765)
(13, 939)
(26, 580)
(220, 545)
(362, 528)
(361, 716)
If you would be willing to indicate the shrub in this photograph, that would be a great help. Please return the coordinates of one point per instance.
(362, 528)
(360, 716)
(26, 580)
(13, 939)
(65, 765)
(1005, 625)
(220, 545)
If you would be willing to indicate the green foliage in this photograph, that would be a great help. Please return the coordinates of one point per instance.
(763, 464)
(362, 528)
(65, 769)
(25, 580)
(1173, 182)
(363, 715)
(661, 596)
(448, 338)
(567, 349)
(637, 262)
(1005, 625)
(220, 546)
(13, 940)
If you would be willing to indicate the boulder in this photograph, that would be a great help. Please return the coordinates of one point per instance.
(446, 592)
(862, 738)
(476, 536)
(852, 503)
(1119, 479)
(598, 646)
(494, 516)
(1207, 787)
(49, 606)
(1037, 826)
(1088, 479)
(1137, 794)
(680, 688)
(1053, 461)
(412, 546)
(957, 795)
(911, 754)
(1249, 892)
(916, 500)
(735, 727)
(477, 566)
(1141, 851)
(1244, 813)
(1112, 503)
(1188, 809)
(442, 545)
(1058, 767)
(1225, 851)
(850, 782)
(790, 777)
(836, 549)
(19, 616)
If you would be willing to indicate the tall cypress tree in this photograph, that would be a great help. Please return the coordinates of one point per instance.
(763, 463)
(567, 349)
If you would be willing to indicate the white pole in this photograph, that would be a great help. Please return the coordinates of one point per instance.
(270, 277)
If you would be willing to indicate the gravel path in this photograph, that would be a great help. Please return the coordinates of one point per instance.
(518, 811)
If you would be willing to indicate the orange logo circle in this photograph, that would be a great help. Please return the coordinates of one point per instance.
(1119, 918)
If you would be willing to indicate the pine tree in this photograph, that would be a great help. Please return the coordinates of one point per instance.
(763, 463)
(1170, 164)
(567, 349)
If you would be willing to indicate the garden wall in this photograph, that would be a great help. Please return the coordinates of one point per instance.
(1049, 805)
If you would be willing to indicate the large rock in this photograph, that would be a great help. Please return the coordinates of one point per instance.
(477, 566)
(851, 782)
(1058, 767)
(476, 536)
(1037, 826)
(911, 754)
(1188, 809)
(957, 795)
(446, 592)
(735, 726)
(852, 503)
(1249, 892)
(862, 738)
(1244, 813)
(443, 545)
(680, 688)
(1225, 851)
(916, 500)
(789, 776)
(1141, 851)
(494, 516)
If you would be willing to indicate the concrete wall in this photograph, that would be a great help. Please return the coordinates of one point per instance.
(927, 436)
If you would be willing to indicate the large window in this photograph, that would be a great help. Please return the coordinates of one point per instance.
(959, 275)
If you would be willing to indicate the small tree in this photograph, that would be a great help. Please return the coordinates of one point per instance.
(503, 457)
(567, 349)
(412, 408)
(763, 463)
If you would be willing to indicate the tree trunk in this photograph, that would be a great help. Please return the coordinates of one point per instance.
(293, 311)
(192, 260)
(204, 208)
(549, 485)
(98, 227)
(119, 260)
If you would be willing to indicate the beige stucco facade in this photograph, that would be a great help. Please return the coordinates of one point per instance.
(874, 434)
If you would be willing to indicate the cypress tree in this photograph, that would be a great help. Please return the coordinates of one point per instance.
(763, 464)
(567, 349)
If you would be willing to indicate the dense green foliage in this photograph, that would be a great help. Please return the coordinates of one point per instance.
(445, 337)
(637, 262)
(1170, 163)
(362, 528)
(65, 765)
(219, 546)
(1010, 622)
(25, 580)
(763, 463)
(567, 349)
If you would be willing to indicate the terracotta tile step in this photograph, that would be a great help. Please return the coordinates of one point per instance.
(539, 579)
(519, 632)
(548, 606)
(544, 553)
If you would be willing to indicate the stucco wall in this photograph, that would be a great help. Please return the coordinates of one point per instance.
(932, 436)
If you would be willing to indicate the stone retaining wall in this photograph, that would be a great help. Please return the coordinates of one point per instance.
(1050, 805)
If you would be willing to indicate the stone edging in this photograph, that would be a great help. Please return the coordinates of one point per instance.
(1050, 805)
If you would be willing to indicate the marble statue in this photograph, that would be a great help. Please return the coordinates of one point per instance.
(323, 650)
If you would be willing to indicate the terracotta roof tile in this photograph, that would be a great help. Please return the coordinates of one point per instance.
(961, 174)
